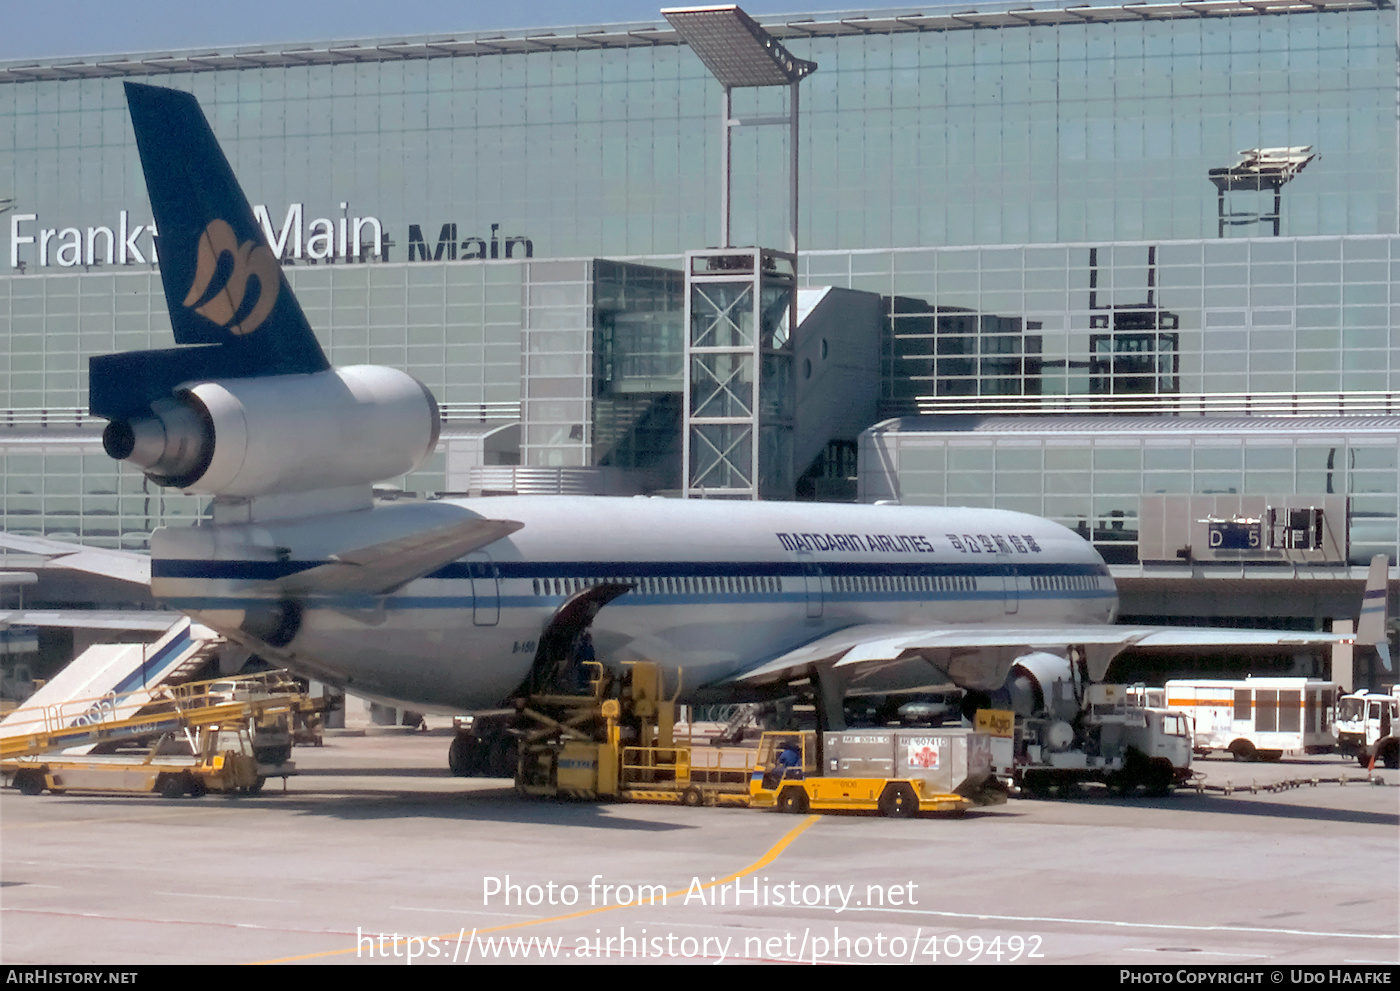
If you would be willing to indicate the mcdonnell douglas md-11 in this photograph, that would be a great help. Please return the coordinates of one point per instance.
(455, 604)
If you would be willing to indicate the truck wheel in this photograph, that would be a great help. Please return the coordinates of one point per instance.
(170, 785)
(29, 783)
(1390, 755)
(1244, 751)
(198, 788)
(692, 797)
(1363, 760)
(255, 787)
(898, 802)
(793, 800)
(1159, 779)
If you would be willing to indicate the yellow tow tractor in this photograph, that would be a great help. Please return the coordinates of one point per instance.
(895, 772)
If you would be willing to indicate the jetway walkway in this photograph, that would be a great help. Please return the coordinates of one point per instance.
(142, 714)
(118, 679)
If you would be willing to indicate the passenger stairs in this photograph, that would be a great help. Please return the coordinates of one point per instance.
(117, 680)
(147, 713)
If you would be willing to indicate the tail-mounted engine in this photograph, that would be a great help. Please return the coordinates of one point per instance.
(248, 437)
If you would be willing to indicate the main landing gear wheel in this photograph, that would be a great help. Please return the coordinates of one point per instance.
(464, 756)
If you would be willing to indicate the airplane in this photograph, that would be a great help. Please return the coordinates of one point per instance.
(455, 604)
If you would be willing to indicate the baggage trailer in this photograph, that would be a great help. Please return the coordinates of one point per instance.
(896, 772)
(1258, 718)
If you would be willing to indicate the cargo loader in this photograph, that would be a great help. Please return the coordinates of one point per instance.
(618, 741)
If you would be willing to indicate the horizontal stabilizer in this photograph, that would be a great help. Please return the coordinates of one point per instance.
(127, 566)
(151, 620)
(382, 568)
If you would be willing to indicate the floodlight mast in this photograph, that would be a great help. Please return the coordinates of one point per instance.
(741, 303)
(739, 52)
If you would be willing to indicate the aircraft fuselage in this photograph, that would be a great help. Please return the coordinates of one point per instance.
(718, 587)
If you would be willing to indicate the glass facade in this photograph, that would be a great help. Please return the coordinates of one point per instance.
(1035, 195)
(1078, 131)
(1102, 477)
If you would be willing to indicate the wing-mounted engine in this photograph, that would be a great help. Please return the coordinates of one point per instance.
(249, 437)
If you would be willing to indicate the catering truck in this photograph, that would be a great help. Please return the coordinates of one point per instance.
(1258, 718)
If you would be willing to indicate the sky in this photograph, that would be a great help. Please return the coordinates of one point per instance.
(46, 29)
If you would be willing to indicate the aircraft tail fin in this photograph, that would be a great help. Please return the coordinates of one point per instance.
(1371, 624)
(223, 284)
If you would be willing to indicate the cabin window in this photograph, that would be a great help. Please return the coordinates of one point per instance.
(1266, 711)
(1243, 706)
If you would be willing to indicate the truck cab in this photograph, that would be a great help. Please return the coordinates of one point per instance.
(1366, 725)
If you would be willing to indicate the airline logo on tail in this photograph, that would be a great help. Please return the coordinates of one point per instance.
(225, 306)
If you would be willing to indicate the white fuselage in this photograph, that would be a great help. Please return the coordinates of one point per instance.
(718, 587)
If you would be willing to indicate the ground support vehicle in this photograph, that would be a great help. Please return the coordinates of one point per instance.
(618, 741)
(236, 732)
(1258, 718)
(224, 762)
(1113, 740)
(896, 772)
(1366, 727)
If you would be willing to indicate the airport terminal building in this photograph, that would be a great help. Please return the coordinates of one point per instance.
(1131, 267)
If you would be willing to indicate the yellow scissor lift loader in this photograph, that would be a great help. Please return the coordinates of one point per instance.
(618, 741)
(218, 719)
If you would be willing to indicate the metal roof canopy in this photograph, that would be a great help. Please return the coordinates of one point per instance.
(1015, 14)
(735, 48)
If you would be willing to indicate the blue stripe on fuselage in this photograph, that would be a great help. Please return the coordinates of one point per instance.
(274, 570)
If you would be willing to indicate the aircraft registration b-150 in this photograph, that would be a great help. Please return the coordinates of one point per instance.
(456, 604)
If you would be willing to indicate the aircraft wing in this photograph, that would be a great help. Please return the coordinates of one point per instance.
(379, 569)
(125, 565)
(92, 619)
(873, 658)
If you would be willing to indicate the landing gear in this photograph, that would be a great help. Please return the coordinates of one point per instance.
(464, 756)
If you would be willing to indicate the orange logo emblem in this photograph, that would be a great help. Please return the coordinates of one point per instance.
(249, 259)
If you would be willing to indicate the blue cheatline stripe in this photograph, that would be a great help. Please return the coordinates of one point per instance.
(632, 599)
(273, 570)
(156, 664)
